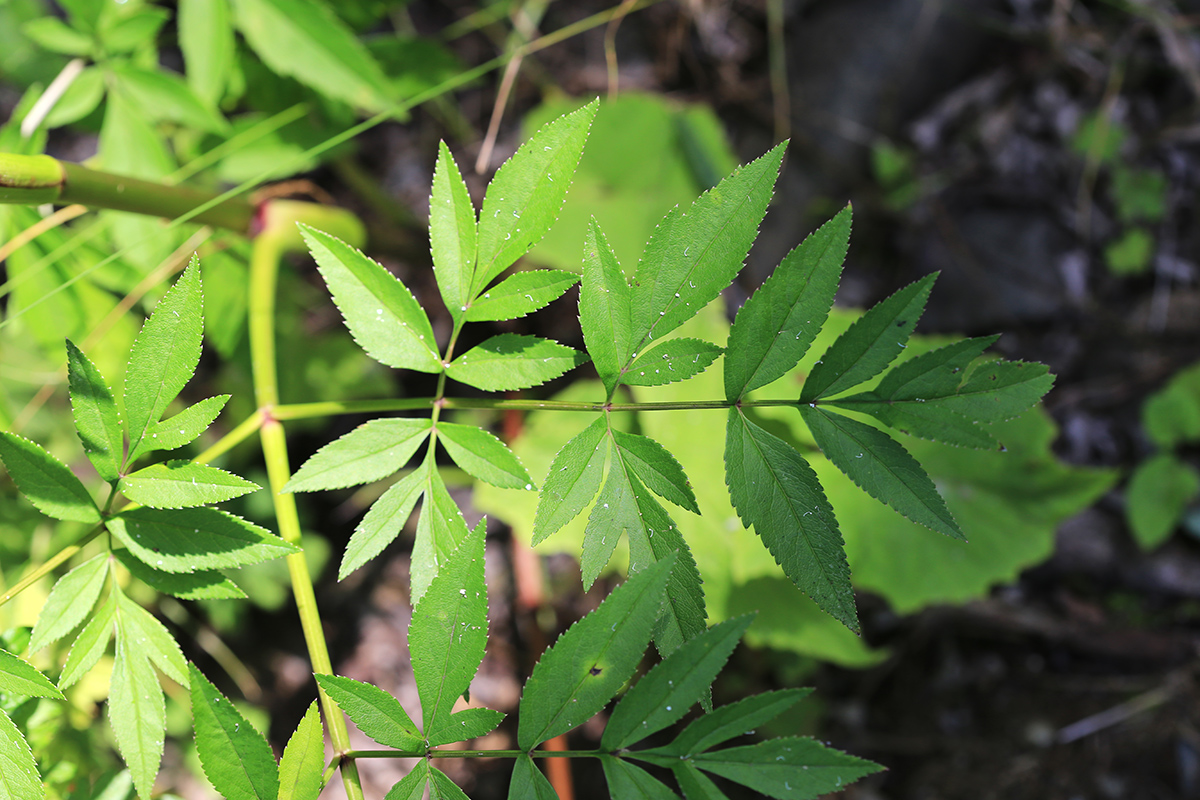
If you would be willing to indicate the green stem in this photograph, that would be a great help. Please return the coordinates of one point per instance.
(334, 407)
(61, 557)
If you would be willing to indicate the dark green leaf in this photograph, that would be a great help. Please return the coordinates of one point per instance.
(513, 361)
(190, 539)
(789, 769)
(934, 374)
(442, 788)
(207, 41)
(19, 780)
(452, 233)
(45, 481)
(384, 520)
(999, 390)
(1157, 496)
(470, 723)
(631, 782)
(140, 629)
(775, 490)
(381, 313)
(440, 529)
(96, 417)
(572, 481)
(695, 784)
(183, 484)
(657, 468)
(18, 676)
(1172, 414)
(70, 601)
(205, 584)
(527, 192)
(735, 719)
(521, 294)
(923, 420)
(881, 467)
(374, 711)
(236, 757)
(674, 360)
(604, 307)
(776, 326)
(528, 782)
(138, 714)
(371, 451)
(581, 672)
(90, 644)
(184, 427)
(870, 344)
(673, 686)
(412, 786)
(303, 764)
(483, 456)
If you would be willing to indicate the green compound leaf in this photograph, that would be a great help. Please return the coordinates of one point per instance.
(236, 758)
(513, 361)
(525, 196)
(881, 467)
(657, 468)
(204, 584)
(90, 644)
(384, 520)
(18, 676)
(789, 769)
(777, 325)
(141, 630)
(440, 529)
(870, 344)
(572, 481)
(190, 539)
(674, 360)
(1158, 493)
(528, 782)
(183, 484)
(695, 784)
(368, 453)
(45, 481)
(303, 763)
(19, 780)
(442, 788)
(521, 294)
(483, 456)
(184, 427)
(381, 313)
(70, 601)
(448, 634)
(604, 307)
(137, 713)
(165, 355)
(374, 711)
(673, 686)
(775, 490)
(735, 719)
(581, 672)
(307, 41)
(631, 782)
(452, 233)
(96, 417)
(411, 786)
(693, 255)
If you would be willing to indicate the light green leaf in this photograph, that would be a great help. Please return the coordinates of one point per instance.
(19, 780)
(777, 325)
(448, 634)
(205, 584)
(870, 344)
(182, 484)
(381, 313)
(18, 676)
(80, 99)
(775, 490)
(137, 714)
(97, 420)
(787, 768)
(189, 539)
(513, 361)
(164, 356)
(695, 784)
(440, 529)
(412, 785)
(881, 467)
(442, 788)
(70, 601)
(384, 520)
(142, 631)
(303, 764)
(45, 481)
(207, 41)
(461, 726)
(483, 456)
(572, 481)
(604, 307)
(184, 427)
(138, 29)
(528, 782)
(56, 36)
(581, 672)
(521, 294)
(693, 255)
(631, 782)
(90, 644)
(236, 758)
(527, 192)
(452, 233)
(673, 686)
(368, 453)
(1158, 493)
(726, 722)
(657, 468)
(307, 41)
(674, 360)
(374, 711)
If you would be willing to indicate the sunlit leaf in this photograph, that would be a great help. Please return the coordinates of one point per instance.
(452, 233)
(368, 453)
(97, 420)
(138, 714)
(513, 361)
(384, 520)
(572, 481)
(483, 456)
(303, 763)
(182, 484)
(189, 539)
(374, 711)
(236, 758)
(521, 294)
(674, 360)
(45, 481)
(70, 601)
